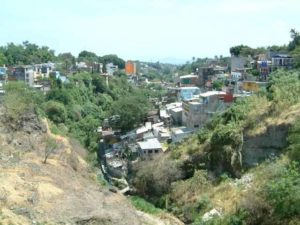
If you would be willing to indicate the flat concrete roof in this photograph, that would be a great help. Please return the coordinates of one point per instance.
(188, 76)
(212, 93)
(150, 144)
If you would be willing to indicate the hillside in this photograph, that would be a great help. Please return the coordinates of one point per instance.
(241, 168)
(64, 190)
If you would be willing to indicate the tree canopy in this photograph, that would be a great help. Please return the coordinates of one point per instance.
(25, 53)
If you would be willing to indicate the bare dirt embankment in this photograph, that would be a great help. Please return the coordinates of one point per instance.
(63, 191)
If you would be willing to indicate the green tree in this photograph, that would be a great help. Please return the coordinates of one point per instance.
(284, 193)
(3, 59)
(131, 109)
(296, 56)
(55, 111)
(294, 141)
(88, 57)
(67, 60)
(295, 40)
(112, 59)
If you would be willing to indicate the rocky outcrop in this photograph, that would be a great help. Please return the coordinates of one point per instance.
(264, 146)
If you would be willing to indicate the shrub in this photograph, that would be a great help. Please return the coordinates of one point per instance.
(284, 193)
(18, 100)
(143, 205)
(55, 111)
(294, 141)
(228, 134)
(203, 135)
(156, 180)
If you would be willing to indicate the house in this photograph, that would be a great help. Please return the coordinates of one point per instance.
(264, 68)
(236, 76)
(204, 75)
(176, 115)
(149, 148)
(282, 61)
(179, 133)
(162, 134)
(188, 80)
(148, 135)
(192, 114)
(253, 86)
(3, 73)
(165, 117)
(140, 132)
(82, 66)
(111, 68)
(24, 73)
(131, 68)
(187, 93)
(198, 111)
(238, 62)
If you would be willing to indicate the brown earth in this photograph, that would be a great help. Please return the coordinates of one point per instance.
(65, 190)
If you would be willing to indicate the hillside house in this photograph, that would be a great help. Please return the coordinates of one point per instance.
(282, 61)
(188, 93)
(111, 68)
(25, 74)
(179, 133)
(149, 148)
(3, 74)
(188, 80)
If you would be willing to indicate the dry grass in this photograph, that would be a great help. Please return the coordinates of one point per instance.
(62, 190)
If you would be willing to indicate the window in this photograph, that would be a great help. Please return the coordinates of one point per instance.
(150, 151)
(156, 150)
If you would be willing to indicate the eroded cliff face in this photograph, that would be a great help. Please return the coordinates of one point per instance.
(63, 191)
(266, 145)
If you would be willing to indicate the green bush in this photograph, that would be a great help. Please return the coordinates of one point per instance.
(279, 83)
(55, 111)
(203, 135)
(284, 193)
(294, 141)
(18, 100)
(143, 205)
(228, 134)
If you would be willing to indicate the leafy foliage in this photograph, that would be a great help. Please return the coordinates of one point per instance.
(131, 109)
(24, 54)
(284, 193)
(55, 111)
(294, 141)
(155, 181)
(144, 206)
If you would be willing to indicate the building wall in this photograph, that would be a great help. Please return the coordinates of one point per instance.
(188, 81)
(130, 68)
(110, 69)
(148, 153)
(238, 62)
(176, 116)
(203, 75)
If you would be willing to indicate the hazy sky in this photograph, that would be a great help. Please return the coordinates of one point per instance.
(149, 29)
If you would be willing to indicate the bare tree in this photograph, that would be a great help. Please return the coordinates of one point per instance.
(51, 146)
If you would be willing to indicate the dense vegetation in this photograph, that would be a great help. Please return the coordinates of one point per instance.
(78, 108)
(28, 53)
(200, 172)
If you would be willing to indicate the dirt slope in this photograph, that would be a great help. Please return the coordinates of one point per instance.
(62, 191)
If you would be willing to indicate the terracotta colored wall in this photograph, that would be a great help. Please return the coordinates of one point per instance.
(129, 68)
